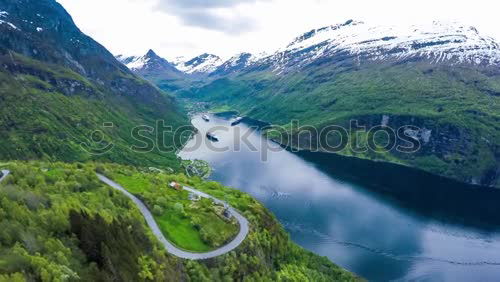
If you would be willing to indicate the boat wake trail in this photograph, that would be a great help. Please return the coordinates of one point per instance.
(325, 238)
(275, 194)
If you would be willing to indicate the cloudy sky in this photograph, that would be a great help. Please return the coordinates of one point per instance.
(225, 27)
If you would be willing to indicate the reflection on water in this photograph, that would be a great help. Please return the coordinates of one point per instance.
(330, 212)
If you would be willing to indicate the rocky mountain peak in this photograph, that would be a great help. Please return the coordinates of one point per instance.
(202, 64)
(151, 65)
(235, 64)
(318, 32)
(152, 54)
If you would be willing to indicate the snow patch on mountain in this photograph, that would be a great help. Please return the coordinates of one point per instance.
(151, 65)
(138, 63)
(235, 64)
(4, 14)
(134, 62)
(245, 58)
(203, 64)
(178, 60)
(240, 58)
(124, 59)
(439, 42)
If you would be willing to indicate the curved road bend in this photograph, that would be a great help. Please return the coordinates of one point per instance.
(169, 246)
(5, 173)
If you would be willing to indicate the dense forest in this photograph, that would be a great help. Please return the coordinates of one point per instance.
(59, 223)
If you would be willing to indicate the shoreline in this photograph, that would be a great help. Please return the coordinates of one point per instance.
(296, 150)
(261, 124)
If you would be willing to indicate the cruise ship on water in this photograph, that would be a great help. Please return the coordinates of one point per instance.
(212, 137)
(236, 121)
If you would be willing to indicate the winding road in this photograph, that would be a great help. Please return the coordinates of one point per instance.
(4, 175)
(171, 248)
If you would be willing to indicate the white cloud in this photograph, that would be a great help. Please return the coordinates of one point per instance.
(213, 15)
(172, 29)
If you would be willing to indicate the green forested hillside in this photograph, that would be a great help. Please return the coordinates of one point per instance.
(60, 223)
(58, 86)
(50, 112)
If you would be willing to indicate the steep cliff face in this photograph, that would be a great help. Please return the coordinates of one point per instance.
(432, 144)
(45, 31)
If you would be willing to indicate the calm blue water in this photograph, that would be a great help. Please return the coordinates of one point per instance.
(371, 234)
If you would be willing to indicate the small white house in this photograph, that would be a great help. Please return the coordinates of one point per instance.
(175, 185)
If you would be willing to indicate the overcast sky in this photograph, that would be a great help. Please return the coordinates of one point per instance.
(225, 27)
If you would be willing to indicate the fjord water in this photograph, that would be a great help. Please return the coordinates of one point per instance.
(441, 234)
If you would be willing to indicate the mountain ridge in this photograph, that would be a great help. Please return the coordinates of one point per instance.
(58, 85)
(200, 65)
(450, 43)
(439, 42)
(150, 64)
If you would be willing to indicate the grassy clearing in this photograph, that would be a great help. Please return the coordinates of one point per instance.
(191, 225)
(181, 232)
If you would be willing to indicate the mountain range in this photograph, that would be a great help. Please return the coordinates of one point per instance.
(197, 68)
(443, 78)
(439, 42)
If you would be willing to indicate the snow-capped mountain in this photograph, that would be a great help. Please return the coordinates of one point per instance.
(150, 65)
(153, 64)
(203, 64)
(438, 42)
(178, 60)
(237, 63)
(3, 20)
(352, 42)
(126, 59)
